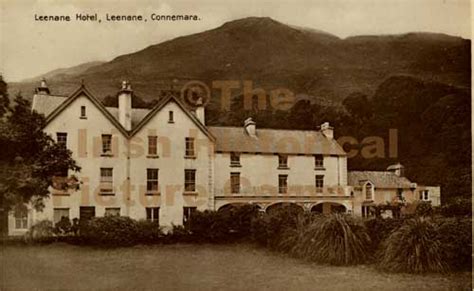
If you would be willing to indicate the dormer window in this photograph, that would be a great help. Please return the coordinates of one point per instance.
(83, 112)
(234, 159)
(282, 161)
(170, 117)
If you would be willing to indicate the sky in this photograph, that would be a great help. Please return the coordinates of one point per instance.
(29, 48)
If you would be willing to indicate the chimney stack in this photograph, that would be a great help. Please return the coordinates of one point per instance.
(250, 127)
(327, 130)
(200, 113)
(125, 105)
(398, 169)
(43, 88)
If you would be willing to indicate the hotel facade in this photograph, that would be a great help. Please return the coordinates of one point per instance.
(163, 163)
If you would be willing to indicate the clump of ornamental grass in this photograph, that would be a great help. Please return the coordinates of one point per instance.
(336, 239)
(414, 247)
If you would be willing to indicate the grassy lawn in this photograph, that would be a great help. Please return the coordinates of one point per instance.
(194, 267)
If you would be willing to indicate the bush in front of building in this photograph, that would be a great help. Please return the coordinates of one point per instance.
(269, 229)
(111, 231)
(335, 239)
(149, 232)
(455, 235)
(414, 247)
(380, 228)
(41, 232)
(456, 207)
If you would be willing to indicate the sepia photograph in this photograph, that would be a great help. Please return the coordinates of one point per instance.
(236, 145)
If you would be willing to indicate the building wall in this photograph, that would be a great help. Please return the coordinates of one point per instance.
(84, 140)
(384, 195)
(259, 177)
(171, 164)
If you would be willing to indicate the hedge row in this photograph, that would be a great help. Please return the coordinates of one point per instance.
(416, 244)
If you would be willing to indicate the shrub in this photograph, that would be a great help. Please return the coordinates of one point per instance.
(381, 228)
(413, 247)
(149, 232)
(41, 232)
(269, 229)
(336, 239)
(455, 235)
(111, 231)
(423, 209)
(178, 234)
(457, 207)
(63, 227)
(211, 226)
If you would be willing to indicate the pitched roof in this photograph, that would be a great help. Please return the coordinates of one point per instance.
(380, 179)
(160, 105)
(51, 106)
(236, 139)
(137, 114)
(45, 104)
(82, 90)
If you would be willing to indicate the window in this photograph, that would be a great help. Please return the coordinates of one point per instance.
(83, 112)
(153, 214)
(190, 180)
(235, 182)
(369, 191)
(234, 159)
(282, 184)
(113, 211)
(318, 161)
(171, 117)
(282, 161)
(400, 194)
(106, 180)
(319, 183)
(187, 215)
(60, 213)
(61, 137)
(424, 195)
(107, 143)
(190, 147)
(152, 180)
(152, 145)
(21, 218)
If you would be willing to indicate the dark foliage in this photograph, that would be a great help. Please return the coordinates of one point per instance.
(268, 230)
(456, 207)
(111, 231)
(380, 228)
(455, 235)
(414, 247)
(336, 239)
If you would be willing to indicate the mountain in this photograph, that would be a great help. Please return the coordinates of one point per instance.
(63, 73)
(274, 55)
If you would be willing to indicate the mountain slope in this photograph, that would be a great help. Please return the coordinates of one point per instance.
(273, 55)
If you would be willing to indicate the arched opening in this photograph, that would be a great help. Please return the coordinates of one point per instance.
(328, 207)
(284, 206)
(369, 191)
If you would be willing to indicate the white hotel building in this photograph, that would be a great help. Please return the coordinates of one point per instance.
(163, 163)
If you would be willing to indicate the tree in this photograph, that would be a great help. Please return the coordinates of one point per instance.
(29, 159)
(4, 100)
(358, 106)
